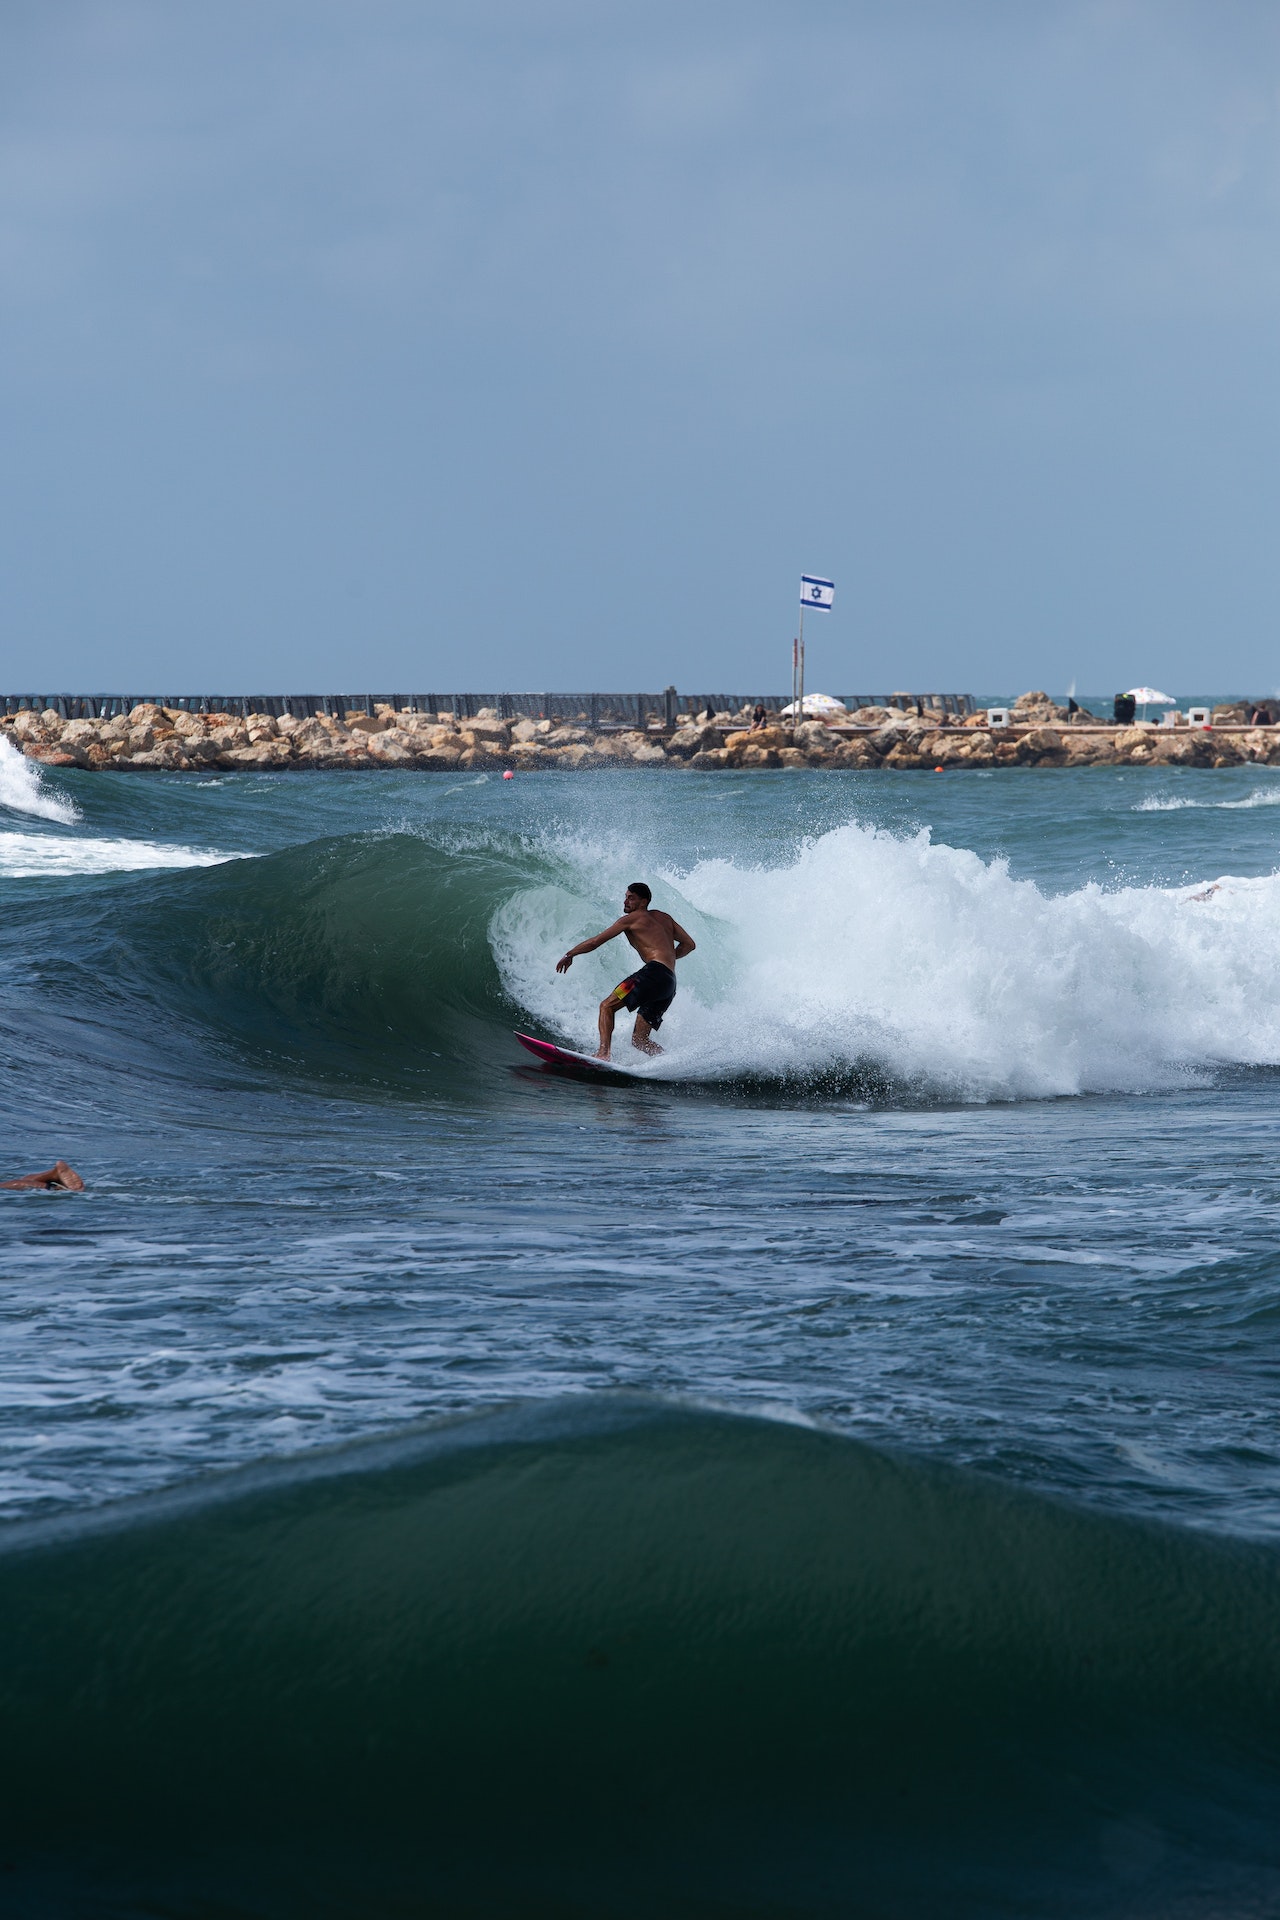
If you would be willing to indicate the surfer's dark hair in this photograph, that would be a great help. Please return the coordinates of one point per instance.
(638, 886)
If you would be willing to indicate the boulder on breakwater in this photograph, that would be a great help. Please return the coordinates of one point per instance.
(1040, 735)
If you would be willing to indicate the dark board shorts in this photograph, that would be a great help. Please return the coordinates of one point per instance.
(648, 992)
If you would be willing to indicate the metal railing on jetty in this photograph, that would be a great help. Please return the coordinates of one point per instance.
(595, 709)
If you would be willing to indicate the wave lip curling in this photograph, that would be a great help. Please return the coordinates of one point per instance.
(22, 790)
(923, 964)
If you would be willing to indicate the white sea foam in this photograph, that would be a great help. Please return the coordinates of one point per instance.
(925, 962)
(23, 791)
(44, 856)
(1168, 803)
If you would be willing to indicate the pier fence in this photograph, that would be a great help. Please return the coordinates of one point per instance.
(595, 709)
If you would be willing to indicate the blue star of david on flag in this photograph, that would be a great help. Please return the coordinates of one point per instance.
(815, 592)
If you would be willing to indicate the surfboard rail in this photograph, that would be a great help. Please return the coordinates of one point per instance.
(566, 1060)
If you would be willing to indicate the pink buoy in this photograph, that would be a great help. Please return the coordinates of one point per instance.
(509, 774)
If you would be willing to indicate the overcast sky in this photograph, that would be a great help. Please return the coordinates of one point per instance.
(544, 343)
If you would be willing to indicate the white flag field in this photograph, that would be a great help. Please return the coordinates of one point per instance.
(815, 592)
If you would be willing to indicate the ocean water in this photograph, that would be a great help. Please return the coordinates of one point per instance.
(835, 1473)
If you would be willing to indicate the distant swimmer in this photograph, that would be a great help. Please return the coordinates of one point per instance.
(660, 941)
(60, 1177)
(1229, 883)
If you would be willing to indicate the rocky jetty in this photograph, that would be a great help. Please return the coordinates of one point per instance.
(1041, 734)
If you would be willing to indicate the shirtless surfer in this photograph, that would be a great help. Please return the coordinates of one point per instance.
(59, 1177)
(660, 941)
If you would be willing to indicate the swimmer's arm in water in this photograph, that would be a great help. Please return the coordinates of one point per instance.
(59, 1177)
(566, 960)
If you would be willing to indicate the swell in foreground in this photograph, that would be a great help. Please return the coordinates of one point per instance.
(621, 1656)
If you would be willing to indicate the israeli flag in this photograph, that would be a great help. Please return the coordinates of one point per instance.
(815, 592)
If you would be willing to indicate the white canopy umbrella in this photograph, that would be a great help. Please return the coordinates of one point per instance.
(815, 703)
(1149, 697)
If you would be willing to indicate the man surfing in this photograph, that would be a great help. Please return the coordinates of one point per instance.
(660, 941)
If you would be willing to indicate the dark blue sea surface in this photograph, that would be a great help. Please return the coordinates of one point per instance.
(835, 1472)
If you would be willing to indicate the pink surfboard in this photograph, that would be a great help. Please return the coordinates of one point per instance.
(567, 1061)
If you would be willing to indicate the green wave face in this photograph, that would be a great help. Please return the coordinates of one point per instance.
(363, 954)
(616, 1656)
(380, 957)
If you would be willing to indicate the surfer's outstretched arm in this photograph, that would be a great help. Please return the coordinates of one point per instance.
(58, 1176)
(566, 960)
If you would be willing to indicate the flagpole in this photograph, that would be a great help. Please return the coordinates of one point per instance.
(799, 712)
(795, 669)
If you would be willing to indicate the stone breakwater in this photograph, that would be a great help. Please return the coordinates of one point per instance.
(170, 739)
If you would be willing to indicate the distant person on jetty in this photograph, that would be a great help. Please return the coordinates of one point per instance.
(660, 941)
(59, 1178)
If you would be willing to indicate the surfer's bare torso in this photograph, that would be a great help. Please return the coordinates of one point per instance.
(654, 935)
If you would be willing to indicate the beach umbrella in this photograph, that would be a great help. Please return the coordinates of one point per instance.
(816, 703)
(1149, 697)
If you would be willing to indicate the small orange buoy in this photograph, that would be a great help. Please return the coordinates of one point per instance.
(937, 769)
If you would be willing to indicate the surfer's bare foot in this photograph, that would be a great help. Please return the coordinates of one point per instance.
(59, 1175)
(641, 1036)
(601, 1053)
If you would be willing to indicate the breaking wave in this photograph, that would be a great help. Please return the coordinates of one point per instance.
(51, 856)
(932, 967)
(1176, 803)
(868, 960)
(22, 790)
